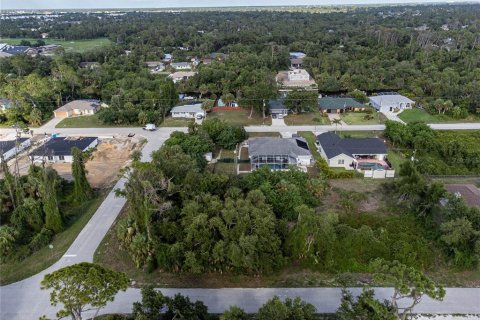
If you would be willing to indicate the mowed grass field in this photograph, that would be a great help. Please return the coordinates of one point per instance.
(412, 115)
(68, 45)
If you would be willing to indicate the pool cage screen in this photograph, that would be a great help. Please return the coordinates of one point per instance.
(275, 162)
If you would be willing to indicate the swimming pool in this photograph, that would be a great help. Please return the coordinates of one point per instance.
(370, 166)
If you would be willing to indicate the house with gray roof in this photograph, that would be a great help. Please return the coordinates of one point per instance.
(181, 65)
(277, 108)
(59, 149)
(391, 102)
(339, 104)
(188, 111)
(8, 148)
(352, 153)
(279, 153)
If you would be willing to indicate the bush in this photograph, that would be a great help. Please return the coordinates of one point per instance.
(40, 240)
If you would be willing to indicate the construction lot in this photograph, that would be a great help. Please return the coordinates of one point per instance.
(104, 165)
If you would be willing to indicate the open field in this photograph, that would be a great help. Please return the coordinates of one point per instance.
(306, 118)
(176, 122)
(88, 122)
(240, 118)
(360, 118)
(412, 115)
(43, 258)
(68, 45)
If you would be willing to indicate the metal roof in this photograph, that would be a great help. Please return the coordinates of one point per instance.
(189, 108)
(339, 103)
(389, 99)
(80, 105)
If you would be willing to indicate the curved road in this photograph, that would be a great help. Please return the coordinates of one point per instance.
(24, 300)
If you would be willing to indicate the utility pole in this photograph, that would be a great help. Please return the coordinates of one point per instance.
(18, 133)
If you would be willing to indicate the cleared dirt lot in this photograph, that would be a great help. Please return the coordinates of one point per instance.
(103, 167)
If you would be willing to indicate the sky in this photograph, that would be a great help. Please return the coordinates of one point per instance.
(94, 4)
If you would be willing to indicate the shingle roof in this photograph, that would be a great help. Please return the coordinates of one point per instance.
(80, 105)
(339, 103)
(62, 146)
(469, 192)
(7, 145)
(333, 145)
(189, 108)
(278, 146)
(276, 105)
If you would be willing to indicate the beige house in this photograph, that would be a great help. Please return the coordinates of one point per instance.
(78, 108)
(181, 75)
(296, 78)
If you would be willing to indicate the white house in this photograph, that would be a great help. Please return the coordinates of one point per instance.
(188, 111)
(279, 153)
(352, 153)
(391, 102)
(181, 75)
(296, 78)
(8, 148)
(60, 149)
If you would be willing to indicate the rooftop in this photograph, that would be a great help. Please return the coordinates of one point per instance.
(6, 145)
(333, 145)
(188, 108)
(63, 146)
(338, 103)
(182, 74)
(389, 98)
(278, 146)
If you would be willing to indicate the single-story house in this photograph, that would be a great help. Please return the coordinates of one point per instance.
(391, 101)
(187, 111)
(296, 63)
(181, 65)
(181, 75)
(48, 49)
(339, 104)
(297, 55)
(352, 153)
(8, 148)
(77, 108)
(277, 108)
(60, 149)
(279, 153)
(13, 50)
(167, 58)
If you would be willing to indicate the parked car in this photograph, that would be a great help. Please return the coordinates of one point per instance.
(199, 116)
(150, 127)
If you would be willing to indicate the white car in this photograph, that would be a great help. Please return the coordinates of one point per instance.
(199, 116)
(150, 127)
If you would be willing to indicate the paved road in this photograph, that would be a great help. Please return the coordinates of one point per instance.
(24, 300)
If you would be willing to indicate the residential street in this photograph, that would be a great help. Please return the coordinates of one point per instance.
(24, 300)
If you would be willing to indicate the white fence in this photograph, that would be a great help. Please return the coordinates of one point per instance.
(379, 174)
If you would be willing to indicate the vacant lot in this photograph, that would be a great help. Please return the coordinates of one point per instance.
(89, 122)
(240, 118)
(306, 118)
(416, 114)
(104, 166)
(176, 122)
(68, 45)
(362, 118)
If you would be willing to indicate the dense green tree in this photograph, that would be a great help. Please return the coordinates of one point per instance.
(364, 307)
(81, 287)
(82, 191)
(291, 309)
(53, 218)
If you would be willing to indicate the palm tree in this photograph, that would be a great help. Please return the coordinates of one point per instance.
(336, 122)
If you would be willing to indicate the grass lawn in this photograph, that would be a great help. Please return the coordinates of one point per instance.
(306, 118)
(240, 118)
(396, 159)
(264, 134)
(87, 122)
(68, 45)
(310, 137)
(359, 118)
(416, 114)
(172, 122)
(45, 257)
(360, 134)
